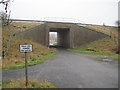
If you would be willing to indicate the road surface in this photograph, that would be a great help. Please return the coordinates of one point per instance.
(71, 70)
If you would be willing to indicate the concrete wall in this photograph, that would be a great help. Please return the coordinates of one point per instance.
(69, 35)
(64, 38)
(36, 34)
(77, 35)
(84, 35)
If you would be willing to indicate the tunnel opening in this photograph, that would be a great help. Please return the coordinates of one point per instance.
(53, 39)
(62, 37)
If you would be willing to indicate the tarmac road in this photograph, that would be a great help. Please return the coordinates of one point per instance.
(71, 70)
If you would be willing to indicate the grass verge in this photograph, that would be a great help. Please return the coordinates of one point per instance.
(105, 47)
(84, 51)
(13, 58)
(32, 84)
(30, 63)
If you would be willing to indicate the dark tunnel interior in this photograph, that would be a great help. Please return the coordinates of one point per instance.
(63, 37)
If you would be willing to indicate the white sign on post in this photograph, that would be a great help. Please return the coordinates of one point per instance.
(25, 47)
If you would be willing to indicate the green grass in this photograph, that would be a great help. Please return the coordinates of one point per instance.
(14, 59)
(104, 29)
(104, 47)
(84, 51)
(32, 84)
(0, 84)
(55, 44)
(31, 63)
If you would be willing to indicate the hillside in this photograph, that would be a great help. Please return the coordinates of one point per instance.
(109, 30)
(107, 47)
(13, 58)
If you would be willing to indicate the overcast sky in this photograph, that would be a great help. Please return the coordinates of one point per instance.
(87, 11)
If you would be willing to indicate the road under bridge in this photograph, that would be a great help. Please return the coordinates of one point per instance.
(69, 35)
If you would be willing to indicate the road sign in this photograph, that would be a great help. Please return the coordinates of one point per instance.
(25, 47)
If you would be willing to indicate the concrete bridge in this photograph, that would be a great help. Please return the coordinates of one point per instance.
(69, 35)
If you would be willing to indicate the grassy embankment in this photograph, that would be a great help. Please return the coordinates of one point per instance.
(108, 30)
(14, 59)
(107, 47)
(32, 84)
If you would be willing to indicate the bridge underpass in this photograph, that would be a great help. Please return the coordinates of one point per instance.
(63, 37)
(69, 35)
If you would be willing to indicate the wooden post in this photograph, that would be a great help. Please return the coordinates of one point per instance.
(26, 74)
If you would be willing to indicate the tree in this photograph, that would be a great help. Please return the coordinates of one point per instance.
(5, 16)
(118, 23)
(103, 24)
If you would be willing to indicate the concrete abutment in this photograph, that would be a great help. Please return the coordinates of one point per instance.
(69, 35)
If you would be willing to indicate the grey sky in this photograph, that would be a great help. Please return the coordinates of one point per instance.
(87, 11)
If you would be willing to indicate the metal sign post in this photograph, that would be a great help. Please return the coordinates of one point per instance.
(26, 48)
(26, 71)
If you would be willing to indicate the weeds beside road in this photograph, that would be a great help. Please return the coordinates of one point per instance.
(32, 84)
(105, 47)
(14, 59)
(108, 30)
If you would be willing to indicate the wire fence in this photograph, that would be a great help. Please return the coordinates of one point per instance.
(53, 19)
(61, 19)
